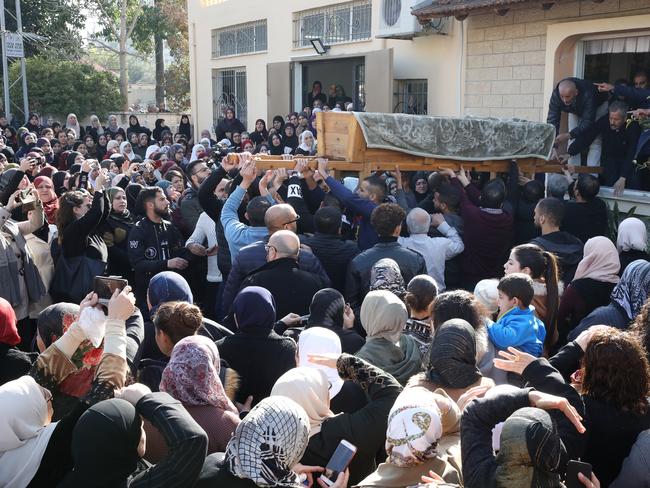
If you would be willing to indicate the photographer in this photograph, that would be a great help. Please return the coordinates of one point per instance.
(21, 283)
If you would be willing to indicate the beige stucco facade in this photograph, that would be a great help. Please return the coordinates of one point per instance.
(488, 65)
(433, 57)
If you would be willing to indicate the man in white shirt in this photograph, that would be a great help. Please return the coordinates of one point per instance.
(435, 250)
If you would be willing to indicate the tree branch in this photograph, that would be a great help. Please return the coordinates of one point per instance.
(129, 30)
(108, 47)
(107, 17)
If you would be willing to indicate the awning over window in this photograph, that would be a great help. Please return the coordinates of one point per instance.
(432, 9)
(636, 44)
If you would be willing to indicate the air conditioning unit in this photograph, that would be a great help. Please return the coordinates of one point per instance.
(397, 22)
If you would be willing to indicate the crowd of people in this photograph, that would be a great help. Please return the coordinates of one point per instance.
(457, 330)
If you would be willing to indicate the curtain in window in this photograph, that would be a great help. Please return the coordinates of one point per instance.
(636, 44)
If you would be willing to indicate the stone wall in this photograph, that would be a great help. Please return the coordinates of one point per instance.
(506, 55)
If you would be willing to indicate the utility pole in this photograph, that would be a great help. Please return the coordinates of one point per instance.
(13, 46)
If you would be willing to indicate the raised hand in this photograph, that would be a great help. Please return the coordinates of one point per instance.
(514, 361)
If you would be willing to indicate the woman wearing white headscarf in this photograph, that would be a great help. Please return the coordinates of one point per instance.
(307, 146)
(366, 428)
(632, 242)
(198, 148)
(71, 122)
(345, 396)
(126, 150)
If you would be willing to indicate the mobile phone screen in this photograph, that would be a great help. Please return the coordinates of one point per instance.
(339, 461)
(106, 286)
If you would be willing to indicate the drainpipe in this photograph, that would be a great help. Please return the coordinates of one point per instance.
(460, 68)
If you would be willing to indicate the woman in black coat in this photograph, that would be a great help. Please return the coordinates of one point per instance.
(229, 125)
(255, 351)
(115, 232)
(616, 407)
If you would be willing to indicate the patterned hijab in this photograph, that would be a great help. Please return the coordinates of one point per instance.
(414, 429)
(632, 291)
(452, 357)
(268, 442)
(385, 275)
(530, 451)
(192, 374)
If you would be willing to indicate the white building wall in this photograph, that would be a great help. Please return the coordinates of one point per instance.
(433, 57)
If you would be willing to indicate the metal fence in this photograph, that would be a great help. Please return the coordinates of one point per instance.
(239, 39)
(334, 24)
(229, 90)
(410, 96)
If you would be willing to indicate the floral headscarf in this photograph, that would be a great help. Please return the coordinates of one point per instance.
(192, 374)
(52, 324)
(268, 442)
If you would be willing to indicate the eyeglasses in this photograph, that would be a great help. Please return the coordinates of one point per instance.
(202, 169)
(267, 247)
(292, 221)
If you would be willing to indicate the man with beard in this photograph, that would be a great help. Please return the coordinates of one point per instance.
(619, 146)
(197, 172)
(155, 245)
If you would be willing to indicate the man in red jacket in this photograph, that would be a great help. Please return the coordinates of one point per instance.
(488, 228)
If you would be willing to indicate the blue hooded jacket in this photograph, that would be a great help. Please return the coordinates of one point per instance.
(519, 328)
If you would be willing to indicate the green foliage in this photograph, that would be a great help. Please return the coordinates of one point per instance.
(177, 85)
(60, 87)
(615, 217)
(60, 21)
(140, 71)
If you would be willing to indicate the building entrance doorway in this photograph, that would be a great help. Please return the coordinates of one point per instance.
(343, 80)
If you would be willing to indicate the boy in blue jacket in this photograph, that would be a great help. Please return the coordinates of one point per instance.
(517, 325)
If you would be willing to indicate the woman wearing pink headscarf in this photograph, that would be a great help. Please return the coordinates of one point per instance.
(595, 278)
(192, 378)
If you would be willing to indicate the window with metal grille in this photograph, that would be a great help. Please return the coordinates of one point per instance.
(239, 39)
(410, 97)
(334, 24)
(229, 90)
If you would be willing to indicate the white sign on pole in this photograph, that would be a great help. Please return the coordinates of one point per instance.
(14, 44)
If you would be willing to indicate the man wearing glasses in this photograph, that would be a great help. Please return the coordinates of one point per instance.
(197, 172)
(291, 287)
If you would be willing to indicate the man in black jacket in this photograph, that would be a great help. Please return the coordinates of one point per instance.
(578, 97)
(387, 221)
(619, 142)
(549, 213)
(586, 216)
(291, 287)
(334, 253)
(155, 245)
(277, 218)
(197, 172)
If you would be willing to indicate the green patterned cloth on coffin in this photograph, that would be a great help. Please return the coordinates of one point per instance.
(465, 139)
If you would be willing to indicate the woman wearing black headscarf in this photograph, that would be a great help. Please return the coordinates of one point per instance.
(260, 134)
(289, 138)
(452, 359)
(159, 128)
(27, 143)
(229, 125)
(132, 192)
(278, 123)
(185, 128)
(328, 310)
(59, 180)
(256, 352)
(276, 148)
(135, 127)
(115, 232)
(114, 429)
